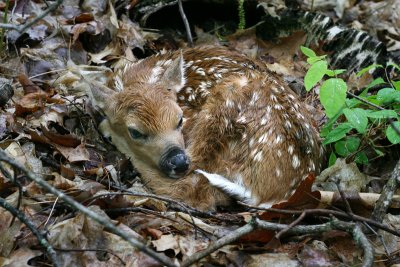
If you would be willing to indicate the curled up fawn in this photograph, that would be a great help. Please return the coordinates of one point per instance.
(205, 125)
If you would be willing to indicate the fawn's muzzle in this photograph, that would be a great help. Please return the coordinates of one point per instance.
(175, 163)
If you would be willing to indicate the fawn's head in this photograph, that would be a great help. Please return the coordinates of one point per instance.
(143, 119)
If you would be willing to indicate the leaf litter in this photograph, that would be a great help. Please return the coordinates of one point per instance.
(46, 127)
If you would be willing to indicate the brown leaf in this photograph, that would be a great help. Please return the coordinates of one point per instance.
(154, 233)
(28, 86)
(303, 198)
(81, 18)
(78, 153)
(67, 140)
(30, 103)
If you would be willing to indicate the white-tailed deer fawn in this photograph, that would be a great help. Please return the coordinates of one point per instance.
(205, 124)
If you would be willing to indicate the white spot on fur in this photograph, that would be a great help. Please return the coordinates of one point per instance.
(181, 97)
(201, 72)
(218, 75)
(251, 142)
(254, 99)
(307, 125)
(288, 125)
(273, 98)
(263, 139)
(242, 119)
(278, 172)
(189, 64)
(290, 149)
(300, 116)
(279, 153)
(295, 161)
(263, 121)
(278, 139)
(278, 107)
(229, 103)
(189, 90)
(258, 156)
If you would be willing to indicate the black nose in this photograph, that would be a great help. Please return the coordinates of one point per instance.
(175, 162)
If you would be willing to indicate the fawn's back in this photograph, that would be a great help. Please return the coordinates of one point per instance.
(244, 130)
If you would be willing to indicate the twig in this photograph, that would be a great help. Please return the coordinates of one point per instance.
(93, 215)
(255, 223)
(32, 22)
(362, 242)
(186, 23)
(386, 197)
(290, 226)
(347, 204)
(327, 212)
(42, 241)
(127, 192)
(229, 238)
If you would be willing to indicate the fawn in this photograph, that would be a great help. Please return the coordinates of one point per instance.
(206, 124)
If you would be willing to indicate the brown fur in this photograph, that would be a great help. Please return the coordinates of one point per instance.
(242, 123)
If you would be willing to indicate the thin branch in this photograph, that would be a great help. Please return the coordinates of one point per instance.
(255, 223)
(362, 242)
(386, 197)
(23, 28)
(42, 241)
(93, 215)
(186, 23)
(327, 212)
(229, 238)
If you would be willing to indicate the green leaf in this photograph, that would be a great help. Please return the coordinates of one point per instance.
(388, 95)
(313, 60)
(332, 159)
(357, 117)
(364, 70)
(338, 133)
(392, 135)
(382, 114)
(396, 85)
(376, 82)
(307, 51)
(315, 74)
(361, 158)
(333, 95)
(347, 147)
(352, 102)
(334, 73)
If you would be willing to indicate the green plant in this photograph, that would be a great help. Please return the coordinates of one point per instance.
(242, 15)
(355, 123)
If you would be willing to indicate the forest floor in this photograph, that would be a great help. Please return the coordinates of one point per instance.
(51, 148)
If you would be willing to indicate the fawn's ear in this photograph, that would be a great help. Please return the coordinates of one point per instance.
(174, 76)
(100, 95)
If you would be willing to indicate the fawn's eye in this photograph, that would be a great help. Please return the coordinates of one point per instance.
(180, 123)
(135, 134)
